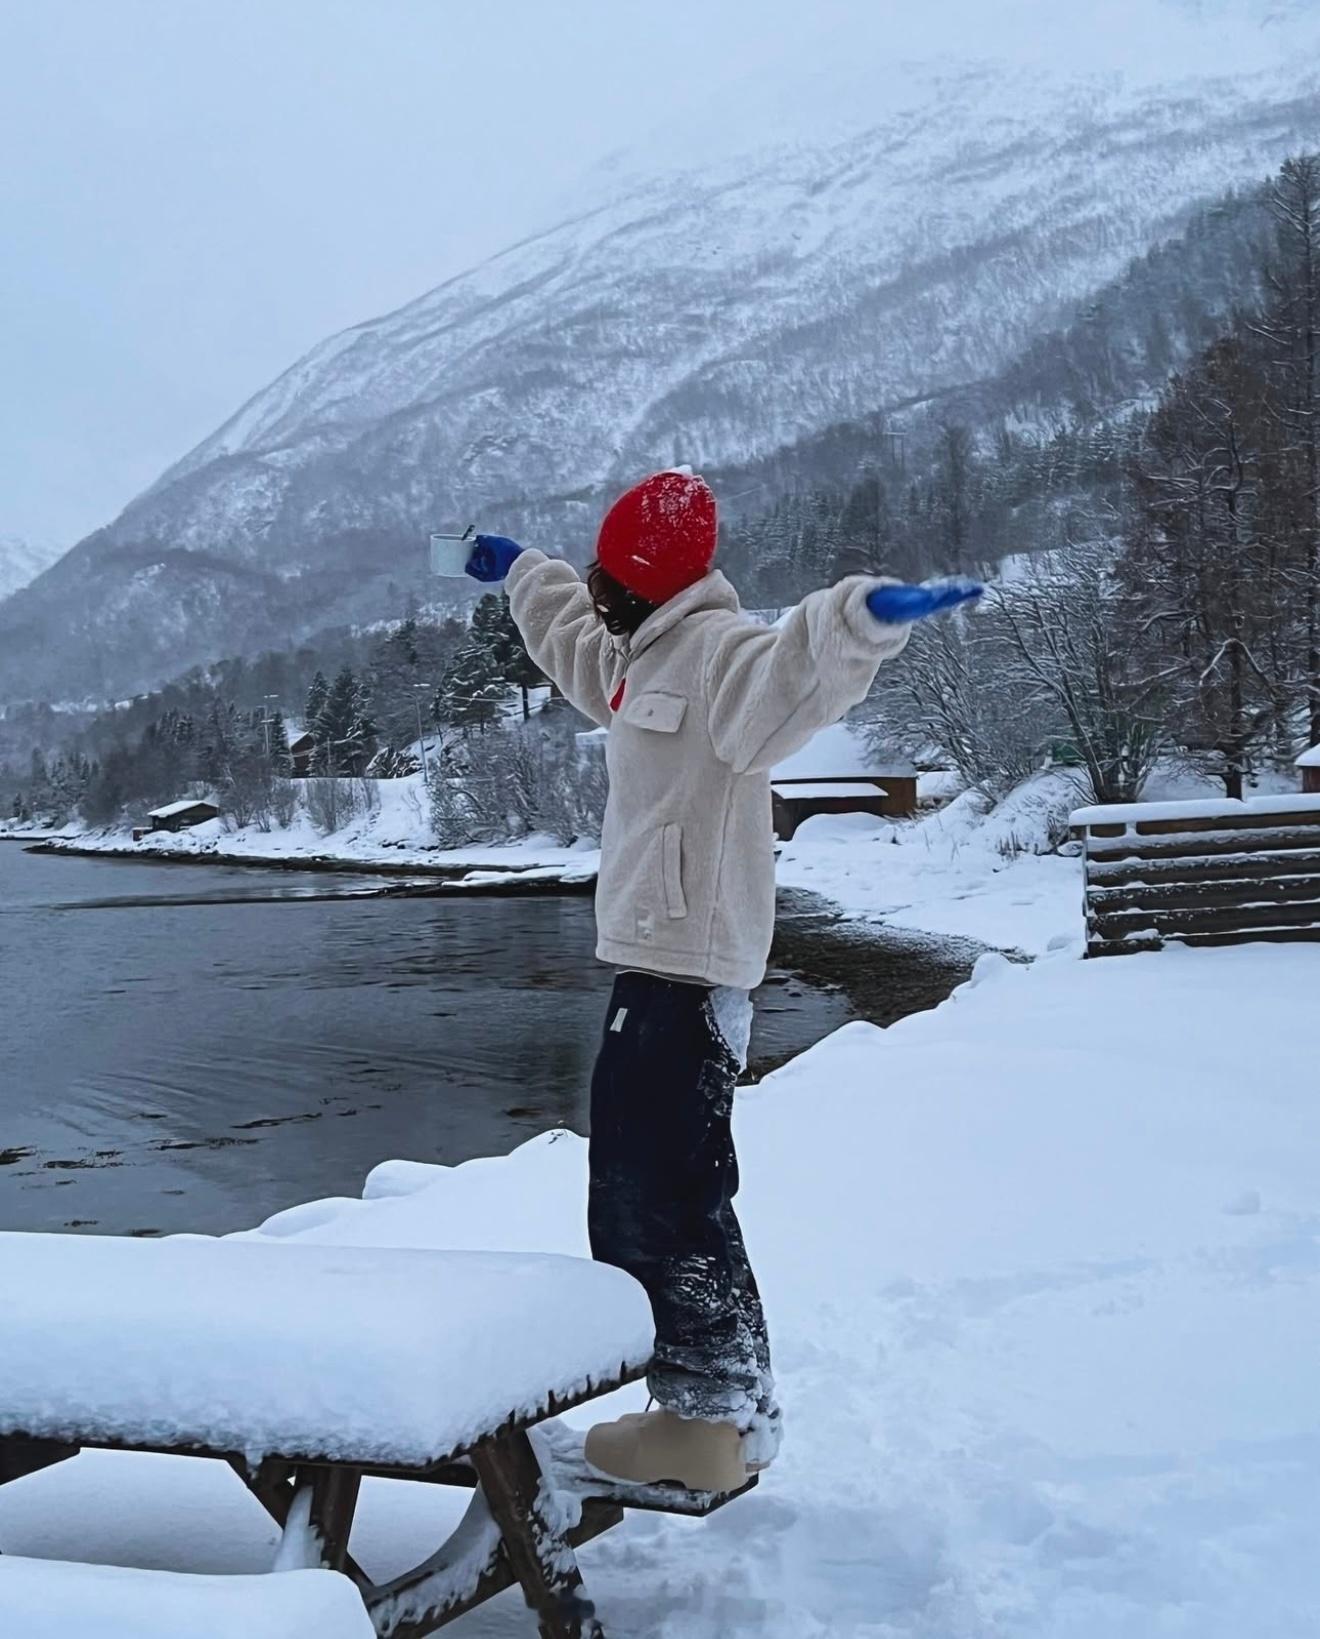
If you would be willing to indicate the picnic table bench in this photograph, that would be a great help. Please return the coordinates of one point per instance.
(51, 1599)
(307, 1368)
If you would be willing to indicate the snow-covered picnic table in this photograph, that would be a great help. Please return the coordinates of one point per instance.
(307, 1368)
(390, 1359)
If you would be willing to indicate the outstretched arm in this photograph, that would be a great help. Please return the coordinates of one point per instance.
(771, 690)
(563, 633)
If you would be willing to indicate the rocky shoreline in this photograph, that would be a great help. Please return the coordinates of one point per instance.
(427, 877)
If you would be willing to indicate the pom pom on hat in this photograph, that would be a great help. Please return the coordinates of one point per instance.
(659, 538)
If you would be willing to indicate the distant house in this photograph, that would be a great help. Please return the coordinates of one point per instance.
(1309, 763)
(179, 816)
(836, 772)
(301, 747)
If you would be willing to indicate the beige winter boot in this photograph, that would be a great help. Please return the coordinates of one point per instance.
(655, 1446)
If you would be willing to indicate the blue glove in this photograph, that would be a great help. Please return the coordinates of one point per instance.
(898, 605)
(492, 558)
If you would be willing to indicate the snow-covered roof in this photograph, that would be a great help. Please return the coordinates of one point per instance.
(840, 750)
(1310, 759)
(172, 808)
(828, 788)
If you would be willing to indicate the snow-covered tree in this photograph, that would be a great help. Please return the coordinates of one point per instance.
(475, 683)
(344, 732)
(1290, 330)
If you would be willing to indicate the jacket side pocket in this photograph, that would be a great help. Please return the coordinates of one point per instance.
(671, 864)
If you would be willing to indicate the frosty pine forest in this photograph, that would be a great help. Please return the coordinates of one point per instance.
(1018, 292)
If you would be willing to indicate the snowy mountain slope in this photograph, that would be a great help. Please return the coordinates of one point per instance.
(21, 562)
(718, 316)
(725, 314)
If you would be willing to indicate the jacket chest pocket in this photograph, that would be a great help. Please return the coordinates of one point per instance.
(661, 713)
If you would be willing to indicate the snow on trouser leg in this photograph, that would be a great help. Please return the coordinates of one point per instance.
(663, 1178)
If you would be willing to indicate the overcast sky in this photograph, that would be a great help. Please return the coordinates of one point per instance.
(193, 192)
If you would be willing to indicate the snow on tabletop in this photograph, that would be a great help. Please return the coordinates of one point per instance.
(252, 1346)
(50, 1599)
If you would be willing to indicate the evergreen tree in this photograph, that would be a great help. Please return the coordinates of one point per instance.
(394, 671)
(340, 727)
(277, 741)
(473, 685)
(404, 664)
(363, 735)
(317, 692)
(500, 632)
(217, 742)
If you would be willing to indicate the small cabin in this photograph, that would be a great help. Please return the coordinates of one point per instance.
(1309, 763)
(837, 772)
(301, 747)
(180, 816)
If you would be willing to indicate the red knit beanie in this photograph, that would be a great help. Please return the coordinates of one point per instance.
(660, 537)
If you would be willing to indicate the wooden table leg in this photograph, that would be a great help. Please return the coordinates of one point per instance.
(334, 1502)
(538, 1552)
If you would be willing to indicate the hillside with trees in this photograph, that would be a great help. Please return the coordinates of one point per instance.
(1154, 540)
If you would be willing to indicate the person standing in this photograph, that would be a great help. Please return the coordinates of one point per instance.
(700, 703)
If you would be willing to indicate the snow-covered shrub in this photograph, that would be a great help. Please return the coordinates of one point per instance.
(522, 779)
(1043, 671)
(283, 802)
(574, 800)
(455, 820)
(950, 689)
(1033, 819)
(394, 763)
(333, 801)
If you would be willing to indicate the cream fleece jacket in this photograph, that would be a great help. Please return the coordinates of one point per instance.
(713, 700)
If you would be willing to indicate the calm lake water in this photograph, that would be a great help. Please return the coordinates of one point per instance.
(195, 1047)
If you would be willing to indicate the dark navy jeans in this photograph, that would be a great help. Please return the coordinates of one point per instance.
(663, 1178)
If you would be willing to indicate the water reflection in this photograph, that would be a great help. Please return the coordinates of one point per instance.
(185, 1048)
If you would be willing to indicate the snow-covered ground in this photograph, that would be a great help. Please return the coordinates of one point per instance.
(957, 871)
(394, 832)
(993, 874)
(1043, 1269)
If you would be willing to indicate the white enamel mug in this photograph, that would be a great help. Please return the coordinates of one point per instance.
(450, 553)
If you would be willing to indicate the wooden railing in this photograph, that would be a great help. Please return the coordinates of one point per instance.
(1200, 873)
